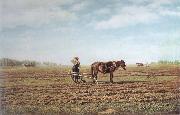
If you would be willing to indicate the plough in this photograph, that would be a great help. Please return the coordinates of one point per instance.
(78, 77)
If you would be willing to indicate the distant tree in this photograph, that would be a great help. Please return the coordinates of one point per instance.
(176, 62)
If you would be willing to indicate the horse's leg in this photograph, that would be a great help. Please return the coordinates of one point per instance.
(111, 77)
(95, 77)
(92, 73)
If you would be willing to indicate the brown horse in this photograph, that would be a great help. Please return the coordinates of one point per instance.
(106, 67)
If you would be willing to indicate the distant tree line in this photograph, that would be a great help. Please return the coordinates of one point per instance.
(176, 62)
(49, 64)
(9, 62)
(28, 63)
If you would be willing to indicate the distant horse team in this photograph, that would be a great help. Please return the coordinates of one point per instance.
(139, 64)
(106, 67)
(28, 65)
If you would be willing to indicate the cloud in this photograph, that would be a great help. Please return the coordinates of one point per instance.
(128, 16)
(163, 9)
(152, 3)
(36, 17)
(158, 3)
(169, 13)
(103, 11)
(34, 13)
(33, 4)
(79, 6)
(138, 12)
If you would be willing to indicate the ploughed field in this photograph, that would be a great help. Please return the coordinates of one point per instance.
(138, 90)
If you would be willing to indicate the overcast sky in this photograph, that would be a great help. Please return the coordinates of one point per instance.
(93, 30)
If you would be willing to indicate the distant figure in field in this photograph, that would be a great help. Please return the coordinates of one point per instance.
(76, 65)
(147, 65)
(139, 64)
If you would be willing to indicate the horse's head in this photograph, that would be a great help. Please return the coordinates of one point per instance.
(121, 63)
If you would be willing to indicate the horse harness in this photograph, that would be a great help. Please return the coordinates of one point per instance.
(113, 67)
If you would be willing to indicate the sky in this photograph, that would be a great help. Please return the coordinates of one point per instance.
(94, 30)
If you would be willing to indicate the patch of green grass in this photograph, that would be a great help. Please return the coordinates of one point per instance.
(37, 82)
(119, 107)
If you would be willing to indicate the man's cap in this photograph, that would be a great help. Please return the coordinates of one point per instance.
(77, 58)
